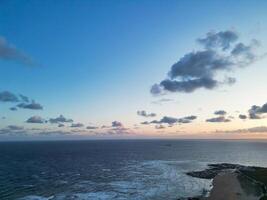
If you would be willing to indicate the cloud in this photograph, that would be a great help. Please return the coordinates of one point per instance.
(220, 112)
(218, 119)
(24, 98)
(187, 119)
(257, 129)
(60, 119)
(159, 126)
(35, 119)
(242, 116)
(91, 127)
(76, 125)
(221, 39)
(200, 69)
(53, 133)
(171, 120)
(12, 129)
(33, 106)
(145, 123)
(119, 131)
(9, 52)
(61, 125)
(165, 120)
(161, 101)
(117, 124)
(145, 114)
(256, 112)
(15, 127)
(7, 96)
(13, 109)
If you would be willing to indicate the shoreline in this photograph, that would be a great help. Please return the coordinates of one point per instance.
(232, 182)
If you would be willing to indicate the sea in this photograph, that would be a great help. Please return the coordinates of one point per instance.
(116, 169)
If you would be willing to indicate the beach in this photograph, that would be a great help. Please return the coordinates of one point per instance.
(226, 185)
(233, 182)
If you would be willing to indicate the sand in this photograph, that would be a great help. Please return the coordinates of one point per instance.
(226, 186)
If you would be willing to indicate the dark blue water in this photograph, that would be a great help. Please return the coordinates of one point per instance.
(141, 169)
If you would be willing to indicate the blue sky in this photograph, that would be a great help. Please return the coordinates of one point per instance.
(95, 61)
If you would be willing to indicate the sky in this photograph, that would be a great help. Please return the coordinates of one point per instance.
(133, 69)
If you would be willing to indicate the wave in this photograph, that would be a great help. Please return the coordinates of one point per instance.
(157, 179)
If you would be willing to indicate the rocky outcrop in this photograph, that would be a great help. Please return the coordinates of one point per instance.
(214, 169)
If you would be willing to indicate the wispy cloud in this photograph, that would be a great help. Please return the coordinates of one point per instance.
(257, 129)
(10, 52)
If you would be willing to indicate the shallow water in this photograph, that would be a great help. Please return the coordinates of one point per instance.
(92, 170)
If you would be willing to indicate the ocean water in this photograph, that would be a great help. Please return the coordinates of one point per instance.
(107, 170)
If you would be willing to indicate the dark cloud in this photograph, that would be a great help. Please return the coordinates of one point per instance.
(242, 116)
(76, 125)
(23, 100)
(220, 112)
(245, 53)
(221, 39)
(165, 120)
(145, 123)
(117, 124)
(33, 106)
(61, 125)
(188, 86)
(60, 119)
(7, 96)
(187, 119)
(199, 69)
(256, 112)
(13, 109)
(35, 119)
(218, 119)
(171, 120)
(145, 114)
(9, 52)
(91, 127)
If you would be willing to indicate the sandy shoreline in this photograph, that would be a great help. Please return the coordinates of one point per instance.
(226, 186)
(233, 182)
